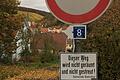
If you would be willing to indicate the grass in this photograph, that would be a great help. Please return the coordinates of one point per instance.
(32, 71)
(37, 65)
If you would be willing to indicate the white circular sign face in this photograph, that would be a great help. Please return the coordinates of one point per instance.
(80, 7)
(77, 11)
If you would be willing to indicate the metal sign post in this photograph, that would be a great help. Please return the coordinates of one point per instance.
(79, 32)
(73, 46)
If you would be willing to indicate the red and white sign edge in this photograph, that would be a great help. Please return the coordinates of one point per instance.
(77, 21)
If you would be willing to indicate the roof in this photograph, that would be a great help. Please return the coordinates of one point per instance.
(44, 30)
(63, 27)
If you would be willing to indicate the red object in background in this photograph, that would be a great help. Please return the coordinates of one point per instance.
(33, 25)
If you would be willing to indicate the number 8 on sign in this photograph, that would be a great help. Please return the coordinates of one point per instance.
(79, 32)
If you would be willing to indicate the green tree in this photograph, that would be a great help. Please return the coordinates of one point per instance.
(9, 22)
(9, 6)
(48, 54)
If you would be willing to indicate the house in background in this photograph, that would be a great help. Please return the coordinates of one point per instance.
(44, 30)
(59, 40)
(56, 40)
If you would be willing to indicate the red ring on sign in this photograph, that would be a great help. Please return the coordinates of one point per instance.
(83, 18)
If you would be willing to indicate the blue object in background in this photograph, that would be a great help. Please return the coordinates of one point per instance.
(79, 32)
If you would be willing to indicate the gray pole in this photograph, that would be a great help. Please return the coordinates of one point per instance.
(73, 45)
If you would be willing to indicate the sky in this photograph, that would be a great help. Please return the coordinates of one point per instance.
(35, 4)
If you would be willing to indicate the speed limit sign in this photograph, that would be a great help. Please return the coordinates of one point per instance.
(77, 11)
